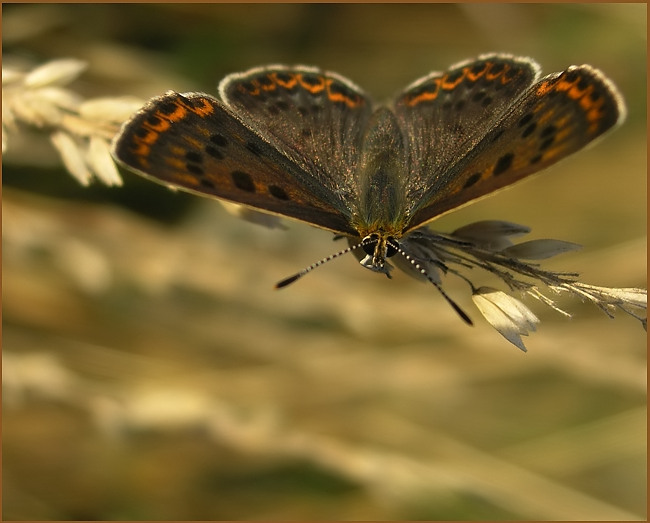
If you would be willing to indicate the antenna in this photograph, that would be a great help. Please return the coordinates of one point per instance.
(424, 273)
(393, 244)
(298, 275)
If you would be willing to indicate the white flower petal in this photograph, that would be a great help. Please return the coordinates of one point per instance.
(110, 109)
(495, 316)
(539, 249)
(101, 161)
(509, 316)
(633, 296)
(56, 72)
(636, 297)
(72, 156)
(520, 314)
(36, 110)
(59, 97)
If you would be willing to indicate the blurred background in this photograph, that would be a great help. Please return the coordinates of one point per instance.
(150, 371)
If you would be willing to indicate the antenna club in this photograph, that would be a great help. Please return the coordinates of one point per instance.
(287, 281)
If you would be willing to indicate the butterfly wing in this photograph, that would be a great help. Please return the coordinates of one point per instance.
(445, 115)
(193, 142)
(315, 118)
(557, 116)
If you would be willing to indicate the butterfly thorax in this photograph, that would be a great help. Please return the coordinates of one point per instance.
(380, 177)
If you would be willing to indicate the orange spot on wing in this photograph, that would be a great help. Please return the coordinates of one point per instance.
(493, 76)
(287, 84)
(552, 154)
(159, 127)
(141, 153)
(152, 135)
(178, 114)
(312, 88)
(342, 97)
(185, 180)
(205, 109)
(545, 88)
(575, 93)
(175, 163)
(475, 76)
(562, 135)
(426, 96)
(450, 85)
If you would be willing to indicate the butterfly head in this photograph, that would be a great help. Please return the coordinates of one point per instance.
(377, 247)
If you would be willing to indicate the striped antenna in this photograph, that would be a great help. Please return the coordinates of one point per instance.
(424, 273)
(298, 275)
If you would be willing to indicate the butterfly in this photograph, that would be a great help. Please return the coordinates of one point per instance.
(310, 145)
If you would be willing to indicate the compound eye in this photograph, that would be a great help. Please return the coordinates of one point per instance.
(391, 247)
(369, 243)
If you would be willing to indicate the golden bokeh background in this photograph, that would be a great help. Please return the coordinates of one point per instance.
(151, 372)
